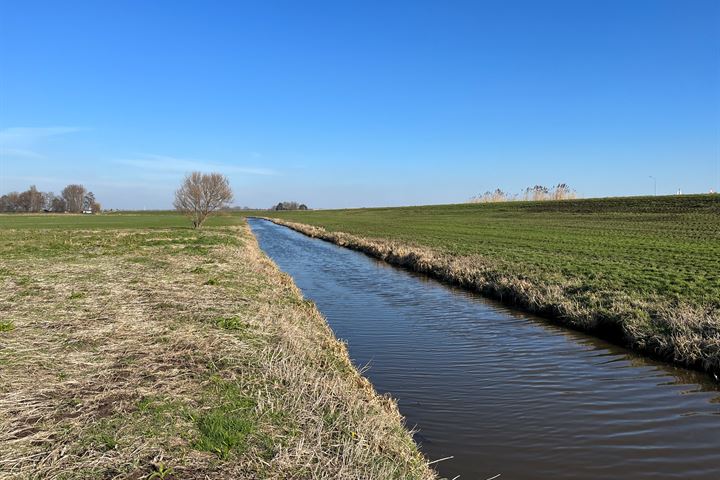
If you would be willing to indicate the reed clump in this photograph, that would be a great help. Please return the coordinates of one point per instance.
(536, 193)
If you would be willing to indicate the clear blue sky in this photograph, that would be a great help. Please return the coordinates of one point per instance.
(350, 103)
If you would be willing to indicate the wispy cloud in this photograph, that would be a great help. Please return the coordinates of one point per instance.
(30, 134)
(165, 164)
(37, 180)
(91, 182)
(19, 141)
(20, 153)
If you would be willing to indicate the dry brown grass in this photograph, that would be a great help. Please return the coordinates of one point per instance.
(679, 333)
(127, 345)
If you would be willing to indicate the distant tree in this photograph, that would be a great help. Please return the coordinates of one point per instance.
(90, 204)
(201, 194)
(37, 199)
(30, 200)
(289, 206)
(88, 200)
(9, 202)
(23, 201)
(14, 201)
(58, 205)
(47, 200)
(74, 196)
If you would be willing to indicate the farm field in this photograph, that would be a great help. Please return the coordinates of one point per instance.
(115, 220)
(132, 346)
(644, 270)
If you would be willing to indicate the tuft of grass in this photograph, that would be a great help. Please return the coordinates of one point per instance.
(226, 429)
(6, 326)
(103, 434)
(231, 323)
(77, 295)
(150, 262)
(161, 472)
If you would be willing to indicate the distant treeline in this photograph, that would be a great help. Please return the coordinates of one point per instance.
(289, 206)
(561, 191)
(74, 199)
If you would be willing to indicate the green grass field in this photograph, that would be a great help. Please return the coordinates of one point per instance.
(115, 220)
(644, 270)
(669, 246)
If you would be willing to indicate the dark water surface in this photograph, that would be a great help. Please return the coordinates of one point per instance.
(501, 391)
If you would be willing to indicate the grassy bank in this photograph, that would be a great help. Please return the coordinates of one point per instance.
(133, 347)
(644, 271)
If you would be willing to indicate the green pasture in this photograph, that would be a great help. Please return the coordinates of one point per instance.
(115, 220)
(644, 246)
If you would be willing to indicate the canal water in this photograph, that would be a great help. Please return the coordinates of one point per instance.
(503, 392)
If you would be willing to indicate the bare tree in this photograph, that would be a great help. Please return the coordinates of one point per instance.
(201, 194)
(10, 202)
(31, 200)
(47, 200)
(58, 205)
(23, 201)
(74, 198)
(74, 195)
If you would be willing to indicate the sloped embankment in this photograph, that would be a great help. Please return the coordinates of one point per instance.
(173, 353)
(679, 333)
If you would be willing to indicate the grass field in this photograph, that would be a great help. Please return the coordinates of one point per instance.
(134, 347)
(120, 220)
(628, 267)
